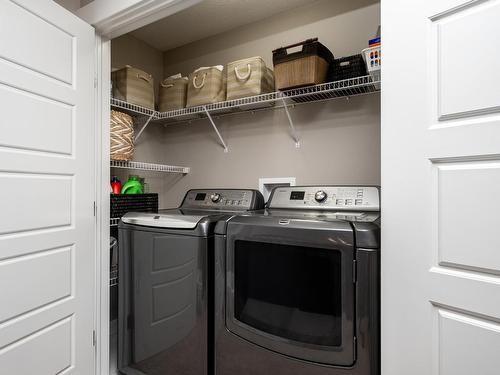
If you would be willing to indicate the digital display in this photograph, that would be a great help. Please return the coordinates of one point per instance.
(200, 197)
(297, 195)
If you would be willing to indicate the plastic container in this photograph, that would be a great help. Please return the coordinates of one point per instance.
(132, 186)
(306, 67)
(116, 185)
(373, 59)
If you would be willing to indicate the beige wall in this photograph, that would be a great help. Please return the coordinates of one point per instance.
(340, 139)
(344, 26)
(128, 50)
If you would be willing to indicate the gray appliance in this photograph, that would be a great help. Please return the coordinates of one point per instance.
(297, 286)
(164, 299)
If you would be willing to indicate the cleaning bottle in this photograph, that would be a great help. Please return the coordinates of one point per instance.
(132, 186)
(116, 185)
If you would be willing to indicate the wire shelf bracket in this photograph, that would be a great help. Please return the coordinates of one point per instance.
(293, 130)
(146, 123)
(209, 116)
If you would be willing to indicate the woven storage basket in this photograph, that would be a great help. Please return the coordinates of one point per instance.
(134, 86)
(307, 67)
(248, 77)
(122, 136)
(173, 92)
(206, 85)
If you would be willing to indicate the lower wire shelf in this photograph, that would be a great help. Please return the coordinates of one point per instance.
(137, 165)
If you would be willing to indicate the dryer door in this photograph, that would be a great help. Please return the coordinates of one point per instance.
(290, 287)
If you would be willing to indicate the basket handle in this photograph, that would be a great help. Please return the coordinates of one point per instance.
(196, 86)
(166, 85)
(297, 44)
(147, 79)
(243, 77)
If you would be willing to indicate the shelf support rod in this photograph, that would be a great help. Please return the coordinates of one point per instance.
(144, 127)
(295, 136)
(215, 128)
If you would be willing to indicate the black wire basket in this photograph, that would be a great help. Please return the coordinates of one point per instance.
(123, 203)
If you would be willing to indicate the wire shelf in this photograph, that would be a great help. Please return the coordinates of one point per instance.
(137, 165)
(318, 93)
(113, 222)
(133, 109)
(275, 100)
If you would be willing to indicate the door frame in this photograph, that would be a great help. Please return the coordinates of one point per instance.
(112, 26)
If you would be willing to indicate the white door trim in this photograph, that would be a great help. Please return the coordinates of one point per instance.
(113, 18)
(103, 72)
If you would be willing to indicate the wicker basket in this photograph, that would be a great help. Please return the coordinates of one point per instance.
(248, 77)
(173, 92)
(306, 67)
(122, 136)
(134, 86)
(206, 85)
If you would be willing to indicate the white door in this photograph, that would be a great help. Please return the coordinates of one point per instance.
(441, 187)
(47, 189)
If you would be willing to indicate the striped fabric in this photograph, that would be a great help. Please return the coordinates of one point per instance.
(248, 77)
(134, 86)
(173, 94)
(122, 136)
(206, 86)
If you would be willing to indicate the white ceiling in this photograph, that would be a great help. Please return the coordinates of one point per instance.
(210, 17)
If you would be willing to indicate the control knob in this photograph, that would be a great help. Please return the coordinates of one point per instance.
(320, 196)
(215, 197)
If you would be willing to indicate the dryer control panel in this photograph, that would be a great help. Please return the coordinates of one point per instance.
(348, 198)
(224, 199)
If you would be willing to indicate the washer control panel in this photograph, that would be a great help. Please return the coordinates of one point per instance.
(349, 198)
(223, 199)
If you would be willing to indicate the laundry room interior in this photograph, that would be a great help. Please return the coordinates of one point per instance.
(325, 138)
(339, 139)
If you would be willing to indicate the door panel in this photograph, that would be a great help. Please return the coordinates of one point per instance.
(47, 235)
(464, 73)
(46, 39)
(469, 188)
(28, 292)
(54, 210)
(479, 342)
(19, 132)
(169, 285)
(50, 351)
(440, 178)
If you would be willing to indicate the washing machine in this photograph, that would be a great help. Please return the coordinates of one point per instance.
(166, 285)
(298, 286)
